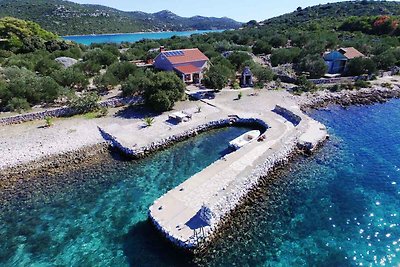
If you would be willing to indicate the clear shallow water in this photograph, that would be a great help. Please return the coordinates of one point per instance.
(130, 37)
(103, 220)
(338, 208)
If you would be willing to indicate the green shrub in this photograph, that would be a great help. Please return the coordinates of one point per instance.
(137, 84)
(315, 65)
(284, 56)
(48, 121)
(362, 84)
(218, 76)
(85, 103)
(103, 111)
(262, 47)
(236, 85)
(359, 66)
(71, 77)
(159, 101)
(149, 121)
(18, 104)
(238, 58)
(100, 57)
(22, 84)
(262, 74)
(47, 66)
(305, 85)
(387, 85)
(335, 88)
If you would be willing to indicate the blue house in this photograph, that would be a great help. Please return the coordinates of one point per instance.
(337, 60)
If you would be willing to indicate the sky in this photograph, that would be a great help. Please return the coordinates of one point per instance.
(243, 10)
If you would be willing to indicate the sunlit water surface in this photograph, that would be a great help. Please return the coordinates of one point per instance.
(340, 207)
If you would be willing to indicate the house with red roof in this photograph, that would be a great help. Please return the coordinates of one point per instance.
(337, 60)
(189, 64)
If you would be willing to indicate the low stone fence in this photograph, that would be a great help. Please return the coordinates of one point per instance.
(333, 80)
(287, 114)
(66, 111)
(338, 80)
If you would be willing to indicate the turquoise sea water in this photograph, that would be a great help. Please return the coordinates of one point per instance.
(130, 37)
(340, 207)
(102, 220)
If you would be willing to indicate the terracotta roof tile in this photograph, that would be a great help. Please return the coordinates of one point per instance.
(188, 69)
(184, 56)
(351, 52)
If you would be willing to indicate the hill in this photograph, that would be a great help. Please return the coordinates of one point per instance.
(26, 36)
(68, 18)
(335, 13)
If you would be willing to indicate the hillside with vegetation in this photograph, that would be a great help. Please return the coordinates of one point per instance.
(68, 18)
(332, 14)
(289, 44)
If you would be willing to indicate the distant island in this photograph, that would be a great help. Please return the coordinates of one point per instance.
(68, 18)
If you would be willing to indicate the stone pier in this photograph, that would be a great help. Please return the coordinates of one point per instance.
(189, 214)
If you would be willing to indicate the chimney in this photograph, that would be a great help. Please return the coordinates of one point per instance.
(162, 48)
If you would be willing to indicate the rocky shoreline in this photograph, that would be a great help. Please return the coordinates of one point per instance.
(345, 98)
(19, 182)
(56, 163)
(12, 178)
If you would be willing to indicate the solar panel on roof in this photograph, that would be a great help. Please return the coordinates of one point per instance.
(174, 53)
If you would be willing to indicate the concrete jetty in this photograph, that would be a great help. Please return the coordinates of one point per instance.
(189, 214)
(192, 212)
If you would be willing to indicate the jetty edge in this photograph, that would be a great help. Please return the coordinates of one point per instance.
(190, 214)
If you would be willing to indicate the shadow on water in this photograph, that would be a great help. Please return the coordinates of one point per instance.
(144, 246)
(115, 154)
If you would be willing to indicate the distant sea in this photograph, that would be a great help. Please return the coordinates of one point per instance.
(129, 37)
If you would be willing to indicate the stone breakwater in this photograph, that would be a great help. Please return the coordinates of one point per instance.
(192, 214)
(216, 212)
(144, 151)
(365, 96)
(66, 111)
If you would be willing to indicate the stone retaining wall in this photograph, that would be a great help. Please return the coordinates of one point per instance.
(66, 111)
(167, 142)
(215, 212)
(335, 80)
